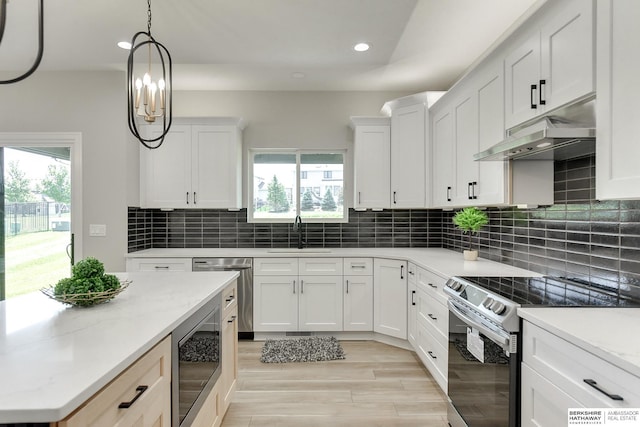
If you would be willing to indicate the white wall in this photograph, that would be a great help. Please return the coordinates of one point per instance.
(94, 104)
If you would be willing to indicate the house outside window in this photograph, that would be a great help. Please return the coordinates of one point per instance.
(277, 196)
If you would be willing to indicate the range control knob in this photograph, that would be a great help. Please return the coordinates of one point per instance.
(456, 286)
(498, 308)
(488, 302)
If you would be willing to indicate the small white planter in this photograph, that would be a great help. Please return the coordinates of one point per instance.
(470, 255)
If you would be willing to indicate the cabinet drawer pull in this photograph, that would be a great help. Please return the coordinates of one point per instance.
(360, 266)
(432, 355)
(431, 316)
(533, 97)
(594, 384)
(231, 298)
(413, 294)
(139, 390)
(233, 318)
(542, 85)
(161, 267)
(432, 285)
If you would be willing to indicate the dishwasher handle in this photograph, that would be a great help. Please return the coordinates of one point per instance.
(204, 266)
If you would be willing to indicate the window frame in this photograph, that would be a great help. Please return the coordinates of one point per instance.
(252, 152)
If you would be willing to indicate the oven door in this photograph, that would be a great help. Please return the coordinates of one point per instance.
(483, 372)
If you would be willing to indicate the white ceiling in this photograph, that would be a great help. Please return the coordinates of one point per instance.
(417, 45)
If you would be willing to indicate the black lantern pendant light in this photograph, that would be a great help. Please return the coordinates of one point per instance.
(3, 21)
(147, 98)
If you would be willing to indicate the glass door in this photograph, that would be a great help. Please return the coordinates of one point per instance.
(36, 239)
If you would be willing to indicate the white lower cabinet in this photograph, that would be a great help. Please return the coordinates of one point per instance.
(412, 305)
(390, 297)
(158, 264)
(291, 302)
(358, 303)
(558, 375)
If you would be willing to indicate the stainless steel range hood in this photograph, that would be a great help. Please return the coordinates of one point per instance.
(550, 138)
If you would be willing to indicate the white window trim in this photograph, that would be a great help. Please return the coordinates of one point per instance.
(298, 152)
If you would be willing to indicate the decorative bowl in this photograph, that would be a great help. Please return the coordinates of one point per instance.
(87, 299)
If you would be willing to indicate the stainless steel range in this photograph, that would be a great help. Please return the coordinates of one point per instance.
(484, 340)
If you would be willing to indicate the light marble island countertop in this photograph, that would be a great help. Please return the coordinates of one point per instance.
(444, 262)
(54, 357)
(607, 332)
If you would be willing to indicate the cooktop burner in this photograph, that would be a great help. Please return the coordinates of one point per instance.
(551, 291)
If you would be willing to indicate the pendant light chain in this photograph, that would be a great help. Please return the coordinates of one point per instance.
(149, 17)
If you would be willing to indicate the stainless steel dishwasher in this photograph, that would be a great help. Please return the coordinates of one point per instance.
(245, 287)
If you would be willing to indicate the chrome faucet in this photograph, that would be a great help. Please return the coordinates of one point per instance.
(297, 226)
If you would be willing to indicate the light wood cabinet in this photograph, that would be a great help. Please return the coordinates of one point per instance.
(371, 162)
(390, 297)
(617, 108)
(199, 165)
(145, 386)
(554, 64)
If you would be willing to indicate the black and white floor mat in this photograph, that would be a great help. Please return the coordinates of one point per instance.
(307, 349)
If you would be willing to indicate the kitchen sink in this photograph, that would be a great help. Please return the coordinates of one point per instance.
(299, 251)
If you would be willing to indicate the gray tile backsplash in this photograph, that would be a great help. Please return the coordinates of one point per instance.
(577, 237)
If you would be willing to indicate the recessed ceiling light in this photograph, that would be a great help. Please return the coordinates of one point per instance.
(298, 75)
(124, 45)
(361, 47)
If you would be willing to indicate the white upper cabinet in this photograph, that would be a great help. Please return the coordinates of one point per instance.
(617, 109)
(199, 165)
(553, 64)
(442, 144)
(372, 162)
(408, 152)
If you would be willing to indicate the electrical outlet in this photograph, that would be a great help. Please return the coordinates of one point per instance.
(97, 230)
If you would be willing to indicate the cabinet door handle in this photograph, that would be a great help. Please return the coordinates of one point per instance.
(195, 201)
(469, 191)
(411, 272)
(347, 285)
(432, 285)
(431, 317)
(359, 198)
(402, 271)
(595, 385)
(302, 286)
(139, 390)
(473, 189)
(413, 294)
(233, 318)
(394, 198)
(432, 355)
(448, 194)
(542, 85)
(294, 286)
(187, 197)
(533, 97)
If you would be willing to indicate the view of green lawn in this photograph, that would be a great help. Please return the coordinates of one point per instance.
(35, 260)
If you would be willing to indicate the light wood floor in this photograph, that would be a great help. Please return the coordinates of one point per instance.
(375, 386)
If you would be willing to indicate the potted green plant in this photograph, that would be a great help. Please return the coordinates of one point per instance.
(470, 220)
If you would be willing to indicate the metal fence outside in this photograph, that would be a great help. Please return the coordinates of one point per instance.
(32, 217)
